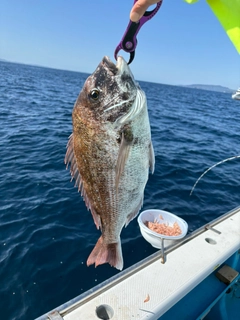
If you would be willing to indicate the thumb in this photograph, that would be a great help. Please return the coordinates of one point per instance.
(139, 9)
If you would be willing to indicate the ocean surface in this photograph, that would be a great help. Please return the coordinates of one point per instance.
(46, 232)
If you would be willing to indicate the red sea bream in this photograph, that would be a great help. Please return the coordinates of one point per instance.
(110, 152)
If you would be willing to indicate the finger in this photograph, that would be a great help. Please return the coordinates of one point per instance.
(139, 9)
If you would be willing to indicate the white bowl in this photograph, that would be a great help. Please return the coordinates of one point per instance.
(160, 216)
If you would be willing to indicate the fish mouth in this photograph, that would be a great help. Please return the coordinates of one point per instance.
(120, 67)
(123, 68)
(121, 64)
(108, 64)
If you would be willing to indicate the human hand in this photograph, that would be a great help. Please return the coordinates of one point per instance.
(139, 9)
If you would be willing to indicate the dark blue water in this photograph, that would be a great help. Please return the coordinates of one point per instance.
(46, 233)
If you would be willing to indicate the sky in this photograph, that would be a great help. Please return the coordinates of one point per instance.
(182, 44)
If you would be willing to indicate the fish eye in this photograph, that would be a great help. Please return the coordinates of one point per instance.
(94, 94)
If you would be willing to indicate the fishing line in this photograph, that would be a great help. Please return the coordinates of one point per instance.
(216, 164)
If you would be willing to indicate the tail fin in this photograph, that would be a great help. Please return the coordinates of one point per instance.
(106, 253)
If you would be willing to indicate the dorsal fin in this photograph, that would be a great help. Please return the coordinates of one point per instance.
(71, 159)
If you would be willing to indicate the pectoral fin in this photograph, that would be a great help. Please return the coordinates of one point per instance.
(126, 142)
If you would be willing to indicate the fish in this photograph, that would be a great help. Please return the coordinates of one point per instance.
(110, 153)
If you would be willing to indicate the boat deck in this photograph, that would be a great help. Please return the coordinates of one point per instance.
(152, 289)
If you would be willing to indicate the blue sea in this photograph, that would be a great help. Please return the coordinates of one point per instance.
(46, 232)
